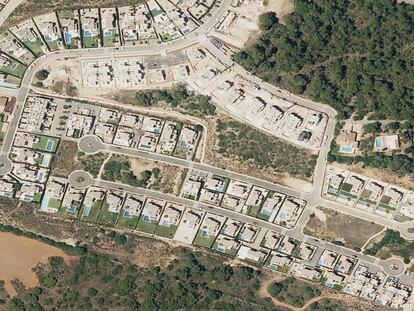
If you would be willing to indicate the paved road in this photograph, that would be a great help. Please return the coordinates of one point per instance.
(385, 265)
(8, 9)
(198, 36)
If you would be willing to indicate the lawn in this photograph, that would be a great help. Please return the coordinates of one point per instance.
(35, 47)
(204, 241)
(106, 217)
(92, 214)
(54, 203)
(46, 143)
(12, 80)
(37, 198)
(166, 37)
(229, 252)
(72, 45)
(346, 187)
(165, 231)
(14, 68)
(263, 216)
(64, 212)
(147, 226)
(253, 210)
(90, 42)
(126, 222)
(108, 40)
(53, 45)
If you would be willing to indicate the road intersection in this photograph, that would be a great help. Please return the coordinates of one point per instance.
(91, 144)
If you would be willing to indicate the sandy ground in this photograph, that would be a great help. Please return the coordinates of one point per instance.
(333, 226)
(402, 181)
(19, 255)
(280, 7)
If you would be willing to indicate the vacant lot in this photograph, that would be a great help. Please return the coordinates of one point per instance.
(19, 255)
(65, 161)
(335, 227)
(143, 173)
(390, 243)
(166, 178)
(243, 143)
(68, 159)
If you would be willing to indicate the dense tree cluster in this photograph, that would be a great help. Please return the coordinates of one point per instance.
(179, 96)
(355, 55)
(115, 170)
(98, 282)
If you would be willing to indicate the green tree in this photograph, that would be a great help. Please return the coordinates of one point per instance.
(267, 20)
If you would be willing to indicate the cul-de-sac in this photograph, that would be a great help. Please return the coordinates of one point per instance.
(207, 155)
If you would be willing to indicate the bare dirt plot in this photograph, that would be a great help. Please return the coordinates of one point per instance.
(332, 226)
(280, 7)
(168, 179)
(66, 159)
(19, 255)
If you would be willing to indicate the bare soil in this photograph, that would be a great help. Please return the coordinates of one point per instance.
(168, 180)
(346, 302)
(66, 159)
(19, 256)
(333, 226)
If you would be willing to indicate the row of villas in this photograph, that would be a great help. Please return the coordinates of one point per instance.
(73, 120)
(230, 89)
(148, 23)
(44, 123)
(230, 237)
(243, 197)
(368, 194)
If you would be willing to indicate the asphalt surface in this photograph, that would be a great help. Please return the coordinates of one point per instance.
(82, 179)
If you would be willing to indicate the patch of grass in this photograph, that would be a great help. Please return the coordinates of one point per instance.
(14, 68)
(148, 227)
(206, 242)
(93, 211)
(90, 42)
(107, 217)
(167, 232)
(125, 222)
(46, 143)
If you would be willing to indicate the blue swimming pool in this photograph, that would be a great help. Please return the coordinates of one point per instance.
(67, 37)
(346, 149)
(378, 142)
(127, 214)
(71, 209)
(45, 203)
(49, 145)
(86, 211)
